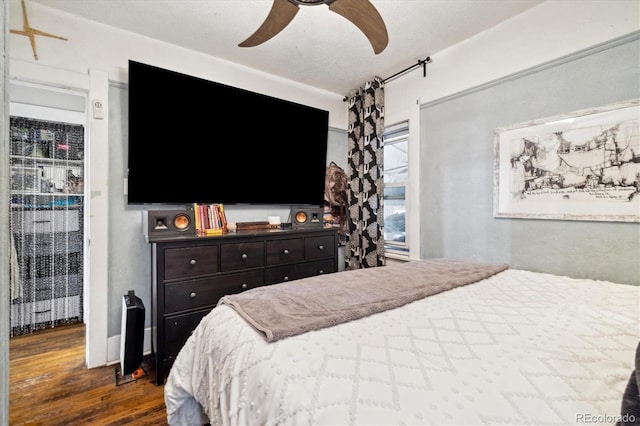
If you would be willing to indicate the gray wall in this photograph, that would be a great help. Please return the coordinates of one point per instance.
(337, 147)
(457, 139)
(129, 253)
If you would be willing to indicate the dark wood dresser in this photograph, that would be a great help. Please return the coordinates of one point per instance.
(190, 274)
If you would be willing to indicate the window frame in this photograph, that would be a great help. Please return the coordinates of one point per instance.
(396, 134)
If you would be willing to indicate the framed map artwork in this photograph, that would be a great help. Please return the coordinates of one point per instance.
(579, 166)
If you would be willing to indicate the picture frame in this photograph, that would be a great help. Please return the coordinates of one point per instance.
(583, 165)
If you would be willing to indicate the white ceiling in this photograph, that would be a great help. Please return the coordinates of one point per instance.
(319, 48)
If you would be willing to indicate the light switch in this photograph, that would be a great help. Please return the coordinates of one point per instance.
(98, 109)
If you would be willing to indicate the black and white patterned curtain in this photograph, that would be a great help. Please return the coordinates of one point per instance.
(365, 238)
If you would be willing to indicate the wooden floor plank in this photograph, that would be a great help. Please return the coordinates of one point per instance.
(49, 384)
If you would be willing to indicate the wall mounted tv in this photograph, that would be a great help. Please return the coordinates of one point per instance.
(194, 140)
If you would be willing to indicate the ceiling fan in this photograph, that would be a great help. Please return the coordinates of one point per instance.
(360, 12)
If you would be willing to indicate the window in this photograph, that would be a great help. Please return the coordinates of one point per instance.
(396, 176)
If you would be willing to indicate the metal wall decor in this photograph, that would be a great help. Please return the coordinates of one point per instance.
(31, 33)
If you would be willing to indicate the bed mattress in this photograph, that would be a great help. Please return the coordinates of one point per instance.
(519, 347)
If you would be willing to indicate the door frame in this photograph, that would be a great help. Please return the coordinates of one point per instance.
(95, 85)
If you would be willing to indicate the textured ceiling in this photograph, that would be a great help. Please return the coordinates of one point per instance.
(319, 48)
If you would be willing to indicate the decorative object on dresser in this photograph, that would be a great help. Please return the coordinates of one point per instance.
(274, 222)
(191, 273)
(252, 226)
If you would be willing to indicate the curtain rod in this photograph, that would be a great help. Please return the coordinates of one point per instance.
(421, 62)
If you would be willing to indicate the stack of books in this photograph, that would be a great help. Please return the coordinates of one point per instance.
(210, 218)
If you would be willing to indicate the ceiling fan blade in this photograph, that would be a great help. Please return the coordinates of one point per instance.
(281, 13)
(364, 16)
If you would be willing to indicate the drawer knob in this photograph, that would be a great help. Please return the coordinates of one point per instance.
(285, 251)
(192, 262)
(320, 247)
(192, 294)
(244, 256)
(320, 272)
(244, 285)
(286, 278)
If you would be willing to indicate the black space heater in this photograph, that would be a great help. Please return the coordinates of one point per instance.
(132, 334)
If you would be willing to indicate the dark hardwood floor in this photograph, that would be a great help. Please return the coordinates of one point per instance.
(49, 384)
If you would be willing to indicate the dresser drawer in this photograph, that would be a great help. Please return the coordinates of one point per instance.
(319, 247)
(177, 331)
(319, 267)
(241, 256)
(194, 294)
(285, 251)
(190, 261)
(286, 273)
(281, 274)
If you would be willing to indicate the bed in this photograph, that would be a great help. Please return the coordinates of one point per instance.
(503, 346)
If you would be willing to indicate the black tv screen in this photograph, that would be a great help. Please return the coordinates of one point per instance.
(193, 140)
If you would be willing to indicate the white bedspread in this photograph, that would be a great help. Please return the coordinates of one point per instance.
(517, 348)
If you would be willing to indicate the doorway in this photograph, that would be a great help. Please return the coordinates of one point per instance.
(47, 141)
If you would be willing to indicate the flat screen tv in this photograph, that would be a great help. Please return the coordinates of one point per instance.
(193, 140)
